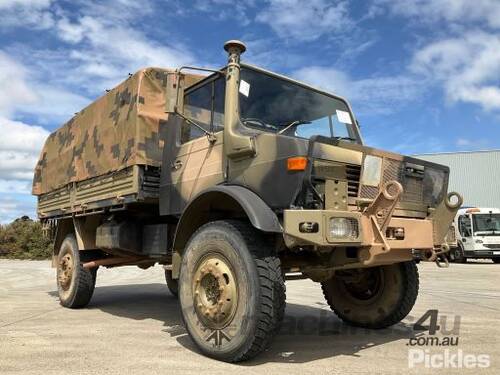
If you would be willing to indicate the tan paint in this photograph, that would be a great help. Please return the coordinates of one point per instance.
(201, 166)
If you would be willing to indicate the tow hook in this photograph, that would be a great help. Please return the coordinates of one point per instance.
(441, 259)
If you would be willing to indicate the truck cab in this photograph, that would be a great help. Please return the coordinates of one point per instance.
(478, 234)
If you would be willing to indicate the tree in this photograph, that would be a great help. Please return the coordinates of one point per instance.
(24, 239)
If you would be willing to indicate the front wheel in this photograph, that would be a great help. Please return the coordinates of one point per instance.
(232, 292)
(458, 254)
(496, 260)
(375, 297)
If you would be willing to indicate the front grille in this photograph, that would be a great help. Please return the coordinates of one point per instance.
(353, 172)
(328, 170)
(424, 188)
(492, 245)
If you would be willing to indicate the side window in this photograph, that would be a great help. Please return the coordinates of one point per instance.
(197, 107)
(205, 106)
(464, 226)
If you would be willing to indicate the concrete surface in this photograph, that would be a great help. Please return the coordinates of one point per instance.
(133, 326)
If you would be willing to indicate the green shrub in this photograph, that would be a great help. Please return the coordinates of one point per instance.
(24, 239)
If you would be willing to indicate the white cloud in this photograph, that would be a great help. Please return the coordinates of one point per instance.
(486, 12)
(34, 13)
(467, 61)
(13, 86)
(36, 4)
(123, 46)
(15, 186)
(53, 104)
(306, 21)
(472, 144)
(373, 95)
(102, 41)
(222, 10)
(20, 147)
(22, 94)
(17, 136)
(102, 46)
(468, 66)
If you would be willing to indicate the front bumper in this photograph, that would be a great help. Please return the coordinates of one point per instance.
(417, 232)
(483, 253)
(381, 238)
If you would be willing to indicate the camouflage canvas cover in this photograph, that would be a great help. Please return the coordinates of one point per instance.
(120, 129)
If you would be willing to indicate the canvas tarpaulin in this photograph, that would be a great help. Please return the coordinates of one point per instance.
(120, 129)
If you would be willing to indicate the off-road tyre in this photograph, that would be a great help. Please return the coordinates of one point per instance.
(172, 284)
(78, 291)
(388, 304)
(256, 310)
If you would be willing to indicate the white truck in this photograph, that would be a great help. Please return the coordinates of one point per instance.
(478, 234)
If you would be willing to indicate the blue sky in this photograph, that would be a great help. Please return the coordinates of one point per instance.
(422, 75)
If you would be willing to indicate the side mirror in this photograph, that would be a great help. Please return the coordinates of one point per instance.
(172, 98)
(171, 105)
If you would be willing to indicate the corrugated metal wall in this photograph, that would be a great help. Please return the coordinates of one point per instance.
(475, 175)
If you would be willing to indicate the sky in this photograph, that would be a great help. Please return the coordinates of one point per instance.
(422, 76)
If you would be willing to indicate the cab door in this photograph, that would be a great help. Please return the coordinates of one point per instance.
(194, 163)
(465, 230)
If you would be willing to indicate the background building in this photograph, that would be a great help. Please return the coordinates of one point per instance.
(474, 174)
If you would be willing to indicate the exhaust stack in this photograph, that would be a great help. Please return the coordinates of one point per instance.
(235, 143)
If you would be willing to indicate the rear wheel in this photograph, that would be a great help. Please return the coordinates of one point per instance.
(376, 297)
(232, 291)
(496, 260)
(75, 284)
(172, 284)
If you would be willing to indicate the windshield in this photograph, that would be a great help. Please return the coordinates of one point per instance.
(486, 223)
(273, 104)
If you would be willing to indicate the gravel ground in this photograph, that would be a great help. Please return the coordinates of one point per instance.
(133, 325)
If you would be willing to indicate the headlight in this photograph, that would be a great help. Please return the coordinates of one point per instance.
(372, 170)
(344, 227)
(479, 241)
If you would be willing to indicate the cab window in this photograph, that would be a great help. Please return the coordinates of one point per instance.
(205, 106)
(464, 226)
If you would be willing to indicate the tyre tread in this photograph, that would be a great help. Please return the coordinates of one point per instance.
(272, 287)
(85, 282)
(406, 303)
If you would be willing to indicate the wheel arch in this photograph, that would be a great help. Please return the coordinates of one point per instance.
(222, 202)
(64, 227)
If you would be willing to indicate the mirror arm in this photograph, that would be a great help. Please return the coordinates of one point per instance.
(211, 136)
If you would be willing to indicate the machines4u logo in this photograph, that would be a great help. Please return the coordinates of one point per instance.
(439, 347)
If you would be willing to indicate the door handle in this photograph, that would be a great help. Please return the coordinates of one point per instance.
(176, 164)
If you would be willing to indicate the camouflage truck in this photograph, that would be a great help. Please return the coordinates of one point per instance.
(235, 181)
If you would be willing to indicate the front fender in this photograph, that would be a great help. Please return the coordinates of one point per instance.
(236, 201)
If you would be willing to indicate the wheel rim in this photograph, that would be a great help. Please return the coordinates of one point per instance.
(367, 287)
(65, 271)
(215, 292)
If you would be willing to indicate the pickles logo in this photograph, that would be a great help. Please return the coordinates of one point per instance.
(440, 336)
(446, 359)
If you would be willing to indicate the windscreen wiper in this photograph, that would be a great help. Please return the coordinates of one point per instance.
(293, 123)
(345, 139)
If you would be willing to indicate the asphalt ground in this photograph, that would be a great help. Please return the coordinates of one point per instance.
(133, 325)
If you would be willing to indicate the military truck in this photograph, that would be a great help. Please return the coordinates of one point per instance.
(234, 181)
